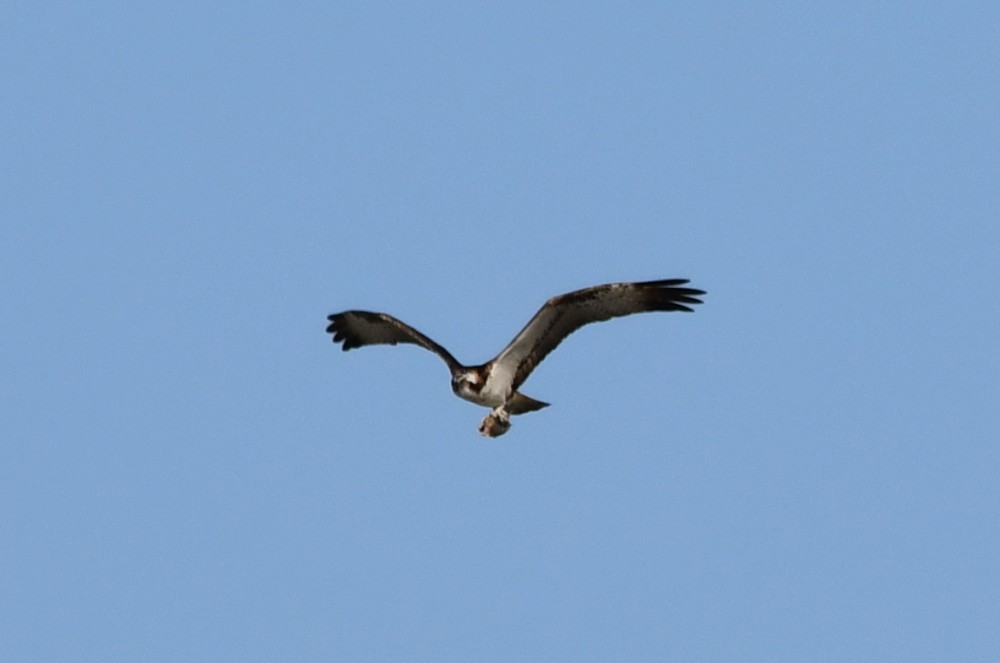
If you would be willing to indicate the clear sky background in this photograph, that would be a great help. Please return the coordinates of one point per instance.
(806, 469)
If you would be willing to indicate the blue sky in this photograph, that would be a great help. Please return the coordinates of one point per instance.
(804, 469)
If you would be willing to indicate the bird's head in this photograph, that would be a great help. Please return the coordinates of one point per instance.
(466, 380)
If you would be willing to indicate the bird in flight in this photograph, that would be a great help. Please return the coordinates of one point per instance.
(495, 384)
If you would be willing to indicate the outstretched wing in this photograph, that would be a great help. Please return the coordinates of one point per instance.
(360, 328)
(563, 315)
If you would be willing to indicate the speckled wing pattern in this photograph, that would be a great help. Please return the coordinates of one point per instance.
(564, 314)
(359, 328)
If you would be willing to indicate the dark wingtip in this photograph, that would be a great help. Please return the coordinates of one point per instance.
(336, 329)
(670, 296)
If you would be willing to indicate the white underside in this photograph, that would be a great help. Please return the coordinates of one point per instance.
(485, 398)
(499, 386)
(495, 394)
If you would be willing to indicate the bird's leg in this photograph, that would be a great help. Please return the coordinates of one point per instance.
(496, 423)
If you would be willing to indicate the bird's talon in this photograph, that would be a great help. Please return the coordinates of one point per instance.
(494, 425)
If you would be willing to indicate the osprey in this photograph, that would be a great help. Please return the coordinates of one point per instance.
(495, 383)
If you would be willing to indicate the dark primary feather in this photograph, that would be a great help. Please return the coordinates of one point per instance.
(564, 314)
(360, 328)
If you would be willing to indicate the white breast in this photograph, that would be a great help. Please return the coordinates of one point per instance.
(498, 384)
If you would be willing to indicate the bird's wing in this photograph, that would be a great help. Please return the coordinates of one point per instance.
(563, 315)
(360, 328)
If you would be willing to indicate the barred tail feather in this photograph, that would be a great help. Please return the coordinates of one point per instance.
(520, 404)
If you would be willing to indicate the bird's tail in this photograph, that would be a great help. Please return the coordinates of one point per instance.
(519, 404)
